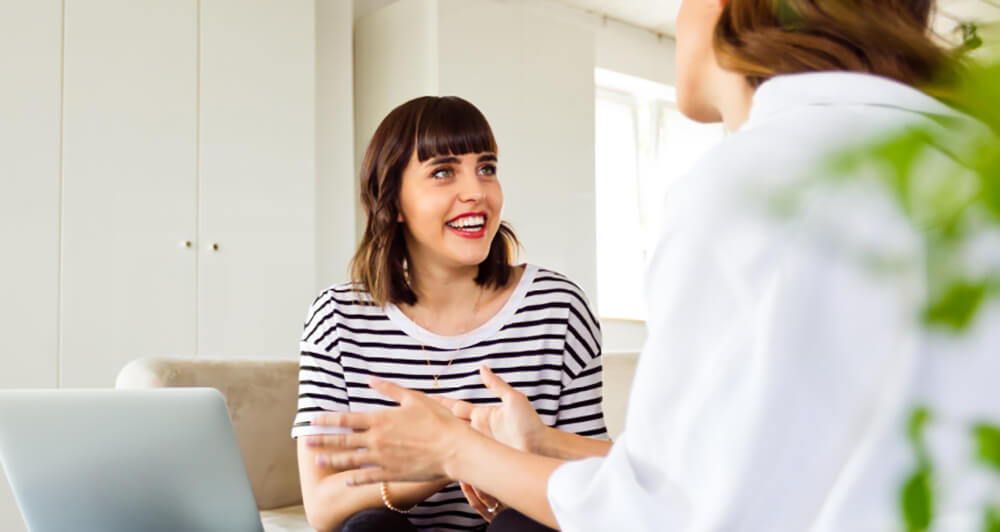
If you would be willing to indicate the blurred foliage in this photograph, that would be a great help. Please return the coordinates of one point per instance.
(917, 493)
(952, 205)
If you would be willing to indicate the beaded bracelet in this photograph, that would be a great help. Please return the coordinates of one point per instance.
(384, 489)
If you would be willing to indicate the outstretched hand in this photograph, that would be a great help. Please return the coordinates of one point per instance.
(416, 440)
(411, 442)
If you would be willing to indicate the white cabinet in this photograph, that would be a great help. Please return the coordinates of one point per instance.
(30, 60)
(134, 135)
(129, 185)
(30, 49)
(257, 176)
(188, 212)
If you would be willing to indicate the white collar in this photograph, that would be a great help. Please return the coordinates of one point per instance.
(790, 91)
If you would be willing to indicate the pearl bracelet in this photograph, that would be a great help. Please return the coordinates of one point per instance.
(384, 489)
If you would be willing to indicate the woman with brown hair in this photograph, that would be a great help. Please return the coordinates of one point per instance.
(781, 366)
(435, 297)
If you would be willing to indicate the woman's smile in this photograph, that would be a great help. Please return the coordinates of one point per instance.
(468, 225)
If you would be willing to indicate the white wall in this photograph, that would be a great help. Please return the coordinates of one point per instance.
(618, 46)
(396, 37)
(532, 76)
(336, 188)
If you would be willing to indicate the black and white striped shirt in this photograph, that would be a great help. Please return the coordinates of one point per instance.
(545, 342)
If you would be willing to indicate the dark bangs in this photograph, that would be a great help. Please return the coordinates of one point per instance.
(452, 126)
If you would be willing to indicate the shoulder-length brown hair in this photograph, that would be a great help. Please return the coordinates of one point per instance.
(434, 126)
(892, 38)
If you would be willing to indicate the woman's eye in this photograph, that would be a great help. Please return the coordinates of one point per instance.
(442, 173)
(489, 169)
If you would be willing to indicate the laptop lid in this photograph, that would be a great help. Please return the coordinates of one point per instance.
(125, 460)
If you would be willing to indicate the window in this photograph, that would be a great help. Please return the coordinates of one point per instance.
(643, 143)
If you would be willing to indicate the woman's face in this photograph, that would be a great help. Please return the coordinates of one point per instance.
(450, 206)
(697, 67)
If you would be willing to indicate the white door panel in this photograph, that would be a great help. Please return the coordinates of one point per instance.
(129, 200)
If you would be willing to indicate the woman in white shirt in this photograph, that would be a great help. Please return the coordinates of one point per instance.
(774, 388)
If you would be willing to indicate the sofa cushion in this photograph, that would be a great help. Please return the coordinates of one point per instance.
(287, 519)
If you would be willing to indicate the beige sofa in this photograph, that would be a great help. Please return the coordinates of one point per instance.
(261, 396)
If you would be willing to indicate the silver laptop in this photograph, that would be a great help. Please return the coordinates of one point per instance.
(162, 459)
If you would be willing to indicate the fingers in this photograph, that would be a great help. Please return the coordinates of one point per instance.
(480, 420)
(393, 391)
(347, 420)
(496, 385)
(363, 477)
(462, 409)
(372, 475)
(475, 502)
(446, 402)
(487, 499)
(354, 440)
(458, 408)
(347, 460)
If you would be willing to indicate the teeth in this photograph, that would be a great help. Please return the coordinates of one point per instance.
(468, 222)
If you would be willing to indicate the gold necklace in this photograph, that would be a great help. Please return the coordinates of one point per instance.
(437, 383)
(448, 365)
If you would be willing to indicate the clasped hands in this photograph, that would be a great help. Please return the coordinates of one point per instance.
(423, 438)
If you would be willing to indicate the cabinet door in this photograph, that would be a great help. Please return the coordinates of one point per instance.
(257, 176)
(30, 59)
(29, 192)
(129, 185)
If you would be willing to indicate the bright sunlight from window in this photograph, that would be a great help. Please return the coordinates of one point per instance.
(643, 145)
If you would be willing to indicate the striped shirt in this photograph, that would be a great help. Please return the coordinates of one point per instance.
(545, 342)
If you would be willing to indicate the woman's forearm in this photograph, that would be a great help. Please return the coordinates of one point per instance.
(334, 501)
(518, 479)
(564, 445)
(328, 499)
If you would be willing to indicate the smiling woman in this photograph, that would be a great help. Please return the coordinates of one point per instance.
(434, 297)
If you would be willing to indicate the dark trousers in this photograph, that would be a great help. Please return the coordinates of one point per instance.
(385, 520)
(514, 521)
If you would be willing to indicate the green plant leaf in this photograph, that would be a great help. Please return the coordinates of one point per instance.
(988, 444)
(915, 428)
(991, 521)
(956, 307)
(917, 501)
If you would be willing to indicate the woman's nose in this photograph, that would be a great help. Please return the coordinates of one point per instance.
(472, 189)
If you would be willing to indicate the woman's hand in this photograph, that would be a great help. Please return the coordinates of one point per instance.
(514, 422)
(487, 505)
(412, 442)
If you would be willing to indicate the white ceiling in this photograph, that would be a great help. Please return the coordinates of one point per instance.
(659, 15)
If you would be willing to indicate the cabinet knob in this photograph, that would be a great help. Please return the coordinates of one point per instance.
(215, 246)
(187, 243)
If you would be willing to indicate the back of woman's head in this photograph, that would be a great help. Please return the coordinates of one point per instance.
(892, 38)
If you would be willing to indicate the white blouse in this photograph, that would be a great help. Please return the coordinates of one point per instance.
(781, 368)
